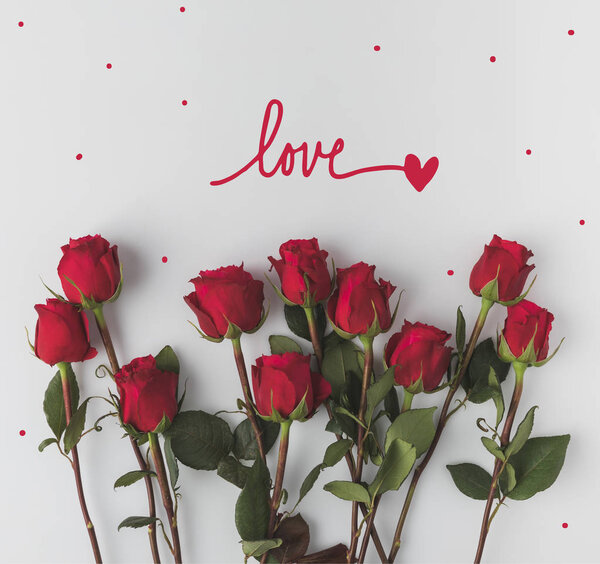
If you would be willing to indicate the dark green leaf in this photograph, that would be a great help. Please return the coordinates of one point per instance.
(296, 320)
(497, 396)
(511, 478)
(340, 364)
(259, 547)
(537, 465)
(46, 442)
(136, 522)
(522, 434)
(233, 471)
(167, 361)
(476, 379)
(334, 427)
(253, 505)
(281, 344)
(244, 441)
(309, 481)
(493, 448)
(377, 391)
(171, 462)
(132, 477)
(295, 535)
(470, 479)
(460, 332)
(414, 426)
(199, 439)
(332, 340)
(336, 451)
(75, 427)
(396, 466)
(348, 490)
(54, 403)
(391, 404)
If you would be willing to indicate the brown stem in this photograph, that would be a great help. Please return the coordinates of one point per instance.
(66, 388)
(241, 367)
(114, 364)
(365, 543)
(499, 465)
(485, 307)
(165, 490)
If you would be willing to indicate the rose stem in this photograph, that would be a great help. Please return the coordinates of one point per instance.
(66, 388)
(499, 465)
(485, 308)
(368, 346)
(369, 527)
(114, 364)
(318, 350)
(241, 367)
(163, 482)
(407, 401)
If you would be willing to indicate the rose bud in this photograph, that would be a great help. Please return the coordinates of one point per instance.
(302, 269)
(420, 356)
(357, 300)
(526, 334)
(501, 272)
(285, 388)
(225, 297)
(147, 394)
(61, 333)
(90, 267)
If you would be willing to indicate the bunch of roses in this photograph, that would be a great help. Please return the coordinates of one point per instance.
(289, 386)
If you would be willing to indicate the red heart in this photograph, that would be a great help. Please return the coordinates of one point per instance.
(417, 176)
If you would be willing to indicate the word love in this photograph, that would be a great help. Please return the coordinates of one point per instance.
(419, 176)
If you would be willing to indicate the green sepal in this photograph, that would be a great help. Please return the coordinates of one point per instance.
(117, 293)
(263, 318)
(548, 359)
(518, 298)
(211, 339)
(300, 411)
(280, 293)
(164, 424)
(86, 303)
(57, 296)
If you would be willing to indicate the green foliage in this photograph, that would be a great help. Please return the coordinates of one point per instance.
(75, 427)
(167, 361)
(522, 434)
(493, 448)
(348, 491)
(414, 426)
(470, 479)
(396, 466)
(259, 547)
(132, 477)
(460, 332)
(253, 508)
(476, 380)
(296, 320)
(244, 441)
(336, 451)
(171, 462)
(377, 392)
(391, 404)
(135, 522)
(46, 442)
(233, 471)
(340, 366)
(54, 404)
(281, 344)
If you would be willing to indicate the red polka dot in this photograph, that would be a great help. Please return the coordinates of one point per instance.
(184, 102)
(492, 59)
(79, 156)
(565, 525)
(182, 9)
(21, 24)
(582, 222)
(528, 152)
(451, 272)
(108, 65)
(571, 32)
(22, 432)
(377, 47)
(164, 259)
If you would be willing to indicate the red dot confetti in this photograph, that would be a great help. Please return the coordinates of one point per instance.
(79, 156)
(22, 432)
(565, 525)
(377, 47)
(571, 32)
(108, 65)
(492, 59)
(184, 102)
(21, 24)
(582, 222)
(182, 9)
(451, 272)
(528, 152)
(164, 259)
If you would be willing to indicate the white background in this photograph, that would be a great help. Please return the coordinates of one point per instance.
(143, 183)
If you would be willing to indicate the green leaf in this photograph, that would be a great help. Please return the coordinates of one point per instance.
(199, 439)
(281, 344)
(476, 380)
(233, 471)
(296, 320)
(244, 441)
(46, 442)
(135, 522)
(391, 404)
(470, 479)
(171, 463)
(259, 547)
(132, 477)
(511, 478)
(54, 404)
(497, 396)
(252, 508)
(396, 466)
(537, 465)
(334, 427)
(493, 448)
(309, 481)
(522, 434)
(460, 332)
(414, 426)
(167, 361)
(295, 534)
(336, 451)
(75, 427)
(348, 490)
(377, 391)
(340, 363)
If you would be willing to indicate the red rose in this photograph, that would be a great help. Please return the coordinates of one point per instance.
(419, 352)
(61, 333)
(357, 297)
(525, 322)
(280, 381)
(226, 295)
(505, 261)
(147, 394)
(300, 259)
(93, 266)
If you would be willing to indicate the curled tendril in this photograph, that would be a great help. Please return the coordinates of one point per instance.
(103, 371)
(487, 428)
(97, 427)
